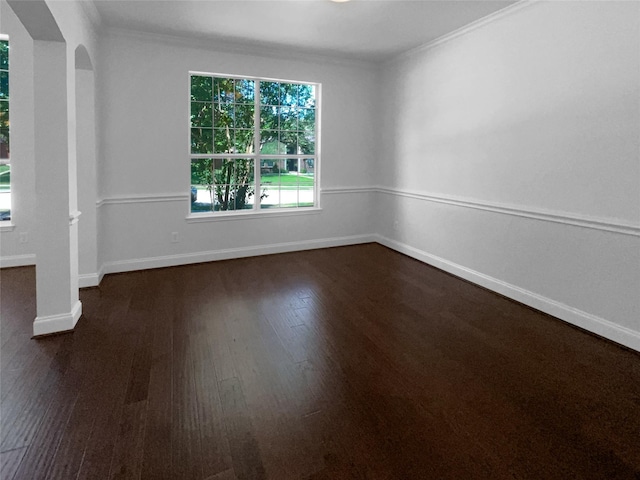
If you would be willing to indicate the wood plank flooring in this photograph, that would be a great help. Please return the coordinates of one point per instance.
(343, 363)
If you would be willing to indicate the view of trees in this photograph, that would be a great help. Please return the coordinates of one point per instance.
(223, 123)
(4, 99)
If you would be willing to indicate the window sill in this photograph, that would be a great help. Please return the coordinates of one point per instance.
(221, 217)
(6, 226)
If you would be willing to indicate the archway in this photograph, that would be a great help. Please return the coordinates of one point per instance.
(55, 230)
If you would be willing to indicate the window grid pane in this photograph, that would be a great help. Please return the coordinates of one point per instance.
(5, 165)
(286, 127)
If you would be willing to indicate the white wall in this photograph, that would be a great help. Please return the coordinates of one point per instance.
(507, 154)
(12, 251)
(78, 30)
(510, 157)
(87, 180)
(144, 91)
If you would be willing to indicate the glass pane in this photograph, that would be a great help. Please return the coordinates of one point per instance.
(269, 93)
(5, 178)
(224, 197)
(305, 198)
(243, 172)
(234, 188)
(5, 192)
(245, 91)
(306, 96)
(223, 90)
(269, 143)
(307, 168)
(4, 84)
(4, 114)
(244, 141)
(222, 165)
(244, 116)
(269, 118)
(201, 140)
(223, 140)
(270, 186)
(288, 118)
(289, 184)
(289, 142)
(201, 114)
(307, 119)
(288, 94)
(306, 183)
(4, 143)
(269, 196)
(4, 55)
(201, 88)
(201, 185)
(306, 143)
(223, 115)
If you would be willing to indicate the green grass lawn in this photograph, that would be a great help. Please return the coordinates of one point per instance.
(287, 179)
(283, 179)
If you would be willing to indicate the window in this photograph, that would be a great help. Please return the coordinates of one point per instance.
(253, 144)
(5, 166)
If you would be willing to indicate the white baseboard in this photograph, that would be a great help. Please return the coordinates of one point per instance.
(592, 323)
(230, 253)
(57, 323)
(86, 280)
(17, 261)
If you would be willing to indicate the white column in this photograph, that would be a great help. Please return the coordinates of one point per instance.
(56, 238)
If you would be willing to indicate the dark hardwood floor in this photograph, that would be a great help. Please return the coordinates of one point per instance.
(343, 363)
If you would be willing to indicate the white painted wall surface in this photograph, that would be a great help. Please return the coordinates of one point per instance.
(144, 98)
(537, 111)
(12, 251)
(87, 180)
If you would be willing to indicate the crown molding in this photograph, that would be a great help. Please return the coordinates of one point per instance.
(280, 52)
(462, 31)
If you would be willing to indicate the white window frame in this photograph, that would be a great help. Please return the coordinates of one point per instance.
(8, 224)
(257, 157)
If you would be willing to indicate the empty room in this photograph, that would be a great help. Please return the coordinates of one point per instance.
(319, 239)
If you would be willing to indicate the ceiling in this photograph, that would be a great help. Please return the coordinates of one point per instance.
(372, 30)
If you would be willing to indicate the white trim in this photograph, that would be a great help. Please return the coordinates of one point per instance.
(6, 226)
(592, 323)
(86, 280)
(17, 261)
(462, 31)
(179, 197)
(63, 322)
(253, 214)
(596, 223)
(254, 49)
(231, 253)
(566, 218)
(74, 217)
(347, 190)
(161, 197)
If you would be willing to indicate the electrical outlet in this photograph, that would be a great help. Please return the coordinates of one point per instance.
(23, 238)
(174, 237)
(395, 224)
